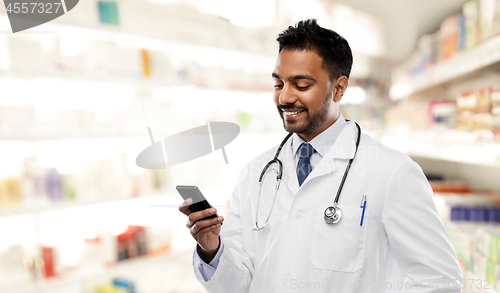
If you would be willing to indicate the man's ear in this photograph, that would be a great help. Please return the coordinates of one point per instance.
(339, 88)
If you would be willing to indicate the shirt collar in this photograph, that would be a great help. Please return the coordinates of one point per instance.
(323, 141)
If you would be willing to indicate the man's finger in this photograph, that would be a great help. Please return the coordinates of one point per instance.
(200, 225)
(184, 207)
(209, 228)
(196, 216)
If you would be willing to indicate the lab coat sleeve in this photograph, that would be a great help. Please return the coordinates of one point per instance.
(206, 271)
(235, 269)
(417, 236)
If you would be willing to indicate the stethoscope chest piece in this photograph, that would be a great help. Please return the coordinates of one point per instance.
(332, 215)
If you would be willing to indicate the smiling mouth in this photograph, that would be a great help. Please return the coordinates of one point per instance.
(288, 113)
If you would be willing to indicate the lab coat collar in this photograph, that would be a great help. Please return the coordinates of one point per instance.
(343, 148)
(345, 145)
(323, 140)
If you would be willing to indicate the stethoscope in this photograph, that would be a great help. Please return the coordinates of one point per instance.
(332, 214)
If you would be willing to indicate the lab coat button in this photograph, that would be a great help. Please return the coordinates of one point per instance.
(297, 216)
(287, 279)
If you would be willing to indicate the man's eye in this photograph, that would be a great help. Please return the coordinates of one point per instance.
(303, 87)
(278, 86)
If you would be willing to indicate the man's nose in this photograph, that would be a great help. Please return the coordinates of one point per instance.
(287, 95)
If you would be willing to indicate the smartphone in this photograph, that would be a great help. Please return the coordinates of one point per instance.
(199, 201)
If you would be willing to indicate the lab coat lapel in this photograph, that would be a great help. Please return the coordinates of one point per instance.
(343, 148)
(289, 168)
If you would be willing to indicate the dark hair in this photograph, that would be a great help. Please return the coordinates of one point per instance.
(333, 48)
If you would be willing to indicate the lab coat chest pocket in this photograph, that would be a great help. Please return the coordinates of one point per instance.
(340, 246)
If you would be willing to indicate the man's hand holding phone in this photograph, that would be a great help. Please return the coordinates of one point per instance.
(204, 225)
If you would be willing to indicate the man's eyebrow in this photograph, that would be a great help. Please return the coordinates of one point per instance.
(301, 76)
(295, 77)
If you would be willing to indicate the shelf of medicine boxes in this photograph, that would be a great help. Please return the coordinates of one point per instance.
(211, 38)
(226, 42)
(435, 80)
(146, 84)
(149, 22)
(85, 277)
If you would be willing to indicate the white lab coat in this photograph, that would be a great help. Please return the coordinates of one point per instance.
(401, 236)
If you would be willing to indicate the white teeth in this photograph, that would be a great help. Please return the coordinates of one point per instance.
(292, 113)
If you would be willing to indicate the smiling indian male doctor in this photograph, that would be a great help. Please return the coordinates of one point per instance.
(396, 233)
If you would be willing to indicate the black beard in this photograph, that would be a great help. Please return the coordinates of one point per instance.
(312, 122)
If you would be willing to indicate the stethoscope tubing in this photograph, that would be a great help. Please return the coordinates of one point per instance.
(348, 166)
(276, 160)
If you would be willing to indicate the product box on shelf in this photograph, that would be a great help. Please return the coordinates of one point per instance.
(449, 187)
(132, 243)
(478, 22)
(471, 17)
(15, 267)
(475, 111)
(429, 50)
(495, 27)
(449, 37)
(10, 192)
(442, 113)
(487, 12)
(495, 111)
(485, 255)
(49, 256)
(473, 224)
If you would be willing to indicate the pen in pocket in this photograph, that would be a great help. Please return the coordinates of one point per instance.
(363, 205)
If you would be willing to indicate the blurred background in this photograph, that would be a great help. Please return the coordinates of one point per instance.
(78, 94)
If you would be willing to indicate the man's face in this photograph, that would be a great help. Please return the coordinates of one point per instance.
(304, 93)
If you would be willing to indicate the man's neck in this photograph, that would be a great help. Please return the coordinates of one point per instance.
(307, 137)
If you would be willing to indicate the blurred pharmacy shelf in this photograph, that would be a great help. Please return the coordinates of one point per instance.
(147, 269)
(136, 53)
(96, 269)
(145, 22)
(472, 221)
(82, 275)
(35, 207)
(446, 114)
(485, 57)
(471, 152)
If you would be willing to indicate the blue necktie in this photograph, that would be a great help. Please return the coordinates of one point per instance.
(304, 166)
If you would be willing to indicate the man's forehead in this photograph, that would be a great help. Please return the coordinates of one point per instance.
(298, 62)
